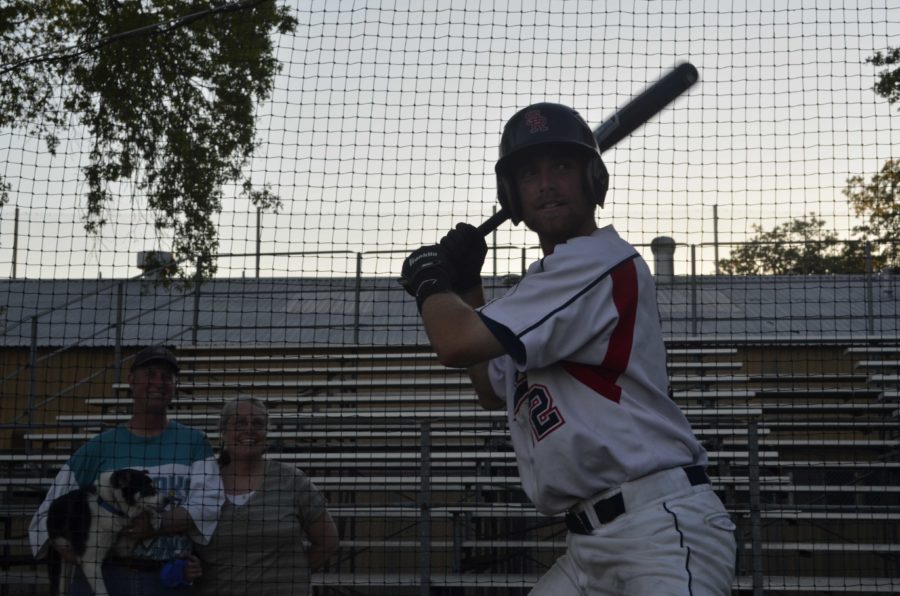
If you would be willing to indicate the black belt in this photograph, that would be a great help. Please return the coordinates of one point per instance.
(610, 508)
(134, 563)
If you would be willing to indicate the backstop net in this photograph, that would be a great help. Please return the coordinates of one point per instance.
(240, 183)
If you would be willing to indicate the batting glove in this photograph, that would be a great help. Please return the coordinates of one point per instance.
(466, 248)
(426, 271)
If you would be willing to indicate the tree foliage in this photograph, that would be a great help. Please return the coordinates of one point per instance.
(878, 200)
(802, 246)
(888, 83)
(166, 90)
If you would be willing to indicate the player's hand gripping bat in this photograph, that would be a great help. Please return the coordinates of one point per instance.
(624, 122)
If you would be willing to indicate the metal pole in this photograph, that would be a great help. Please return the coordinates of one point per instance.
(425, 512)
(120, 315)
(15, 255)
(870, 297)
(258, 239)
(196, 323)
(32, 364)
(716, 236)
(694, 305)
(358, 297)
(755, 515)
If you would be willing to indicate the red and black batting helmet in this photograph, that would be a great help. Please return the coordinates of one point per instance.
(546, 124)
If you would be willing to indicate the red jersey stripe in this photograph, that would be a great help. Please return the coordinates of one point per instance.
(602, 377)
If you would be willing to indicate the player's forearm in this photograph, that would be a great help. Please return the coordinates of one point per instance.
(474, 297)
(456, 332)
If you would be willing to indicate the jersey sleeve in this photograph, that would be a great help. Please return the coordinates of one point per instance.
(562, 305)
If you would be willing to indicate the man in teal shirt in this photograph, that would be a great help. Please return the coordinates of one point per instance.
(179, 459)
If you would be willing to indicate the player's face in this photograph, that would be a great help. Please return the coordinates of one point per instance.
(152, 387)
(244, 434)
(553, 201)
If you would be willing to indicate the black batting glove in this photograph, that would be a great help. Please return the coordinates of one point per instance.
(466, 248)
(427, 271)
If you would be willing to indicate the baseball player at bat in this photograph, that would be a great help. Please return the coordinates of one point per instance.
(575, 354)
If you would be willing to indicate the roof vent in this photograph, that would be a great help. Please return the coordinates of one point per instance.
(663, 249)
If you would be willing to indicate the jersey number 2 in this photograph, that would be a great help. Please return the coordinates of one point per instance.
(545, 417)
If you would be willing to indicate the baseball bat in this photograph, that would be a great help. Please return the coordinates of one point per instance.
(636, 112)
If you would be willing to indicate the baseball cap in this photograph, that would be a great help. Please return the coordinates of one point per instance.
(155, 354)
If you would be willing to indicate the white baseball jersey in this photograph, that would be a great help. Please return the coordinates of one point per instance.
(587, 394)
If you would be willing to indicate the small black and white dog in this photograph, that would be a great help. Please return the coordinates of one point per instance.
(88, 522)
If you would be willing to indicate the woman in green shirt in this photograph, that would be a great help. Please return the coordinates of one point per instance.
(273, 528)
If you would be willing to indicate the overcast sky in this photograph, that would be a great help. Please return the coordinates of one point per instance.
(384, 125)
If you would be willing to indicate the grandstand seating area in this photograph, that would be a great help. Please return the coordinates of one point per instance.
(803, 442)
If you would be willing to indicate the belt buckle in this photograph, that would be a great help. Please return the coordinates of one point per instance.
(578, 522)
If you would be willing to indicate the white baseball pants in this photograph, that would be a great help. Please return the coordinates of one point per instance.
(674, 539)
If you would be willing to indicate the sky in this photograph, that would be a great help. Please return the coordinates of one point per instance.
(382, 132)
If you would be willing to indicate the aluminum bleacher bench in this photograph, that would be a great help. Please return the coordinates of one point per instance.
(307, 458)
(419, 397)
(376, 415)
(851, 464)
(347, 366)
(885, 379)
(188, 354)
(188, 359)
(803, 379)
(857, 425)
(887, 396)
(831, 547)
(432, 381)
(551, 544)
(878, 364)
(886, 350)
(483, 580)
(830, 443)
(845, 407)
(696, 352)
(434, 482)
(495, 581)
(822, 584)
(829, 514)
(818, 393)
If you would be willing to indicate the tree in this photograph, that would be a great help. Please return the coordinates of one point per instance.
(166, 90)
(879, 199)
(801, 246)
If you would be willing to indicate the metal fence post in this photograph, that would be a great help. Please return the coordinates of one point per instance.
(32, 365)
(870, 294)
(755, 515)
(425, 512)
(120, 301)
(196, 323)
(358, 297)
(694, 305)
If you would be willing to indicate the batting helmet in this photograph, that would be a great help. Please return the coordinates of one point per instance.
(542, 124)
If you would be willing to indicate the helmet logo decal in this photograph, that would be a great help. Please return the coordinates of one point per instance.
(536, 122)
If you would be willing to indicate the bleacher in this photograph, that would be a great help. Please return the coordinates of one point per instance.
(425, 491)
